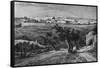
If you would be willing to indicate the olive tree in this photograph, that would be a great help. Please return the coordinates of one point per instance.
(68, 35)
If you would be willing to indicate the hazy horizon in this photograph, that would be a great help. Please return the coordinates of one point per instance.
(41, 10)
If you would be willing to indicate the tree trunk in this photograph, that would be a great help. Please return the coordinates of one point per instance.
(66, 42)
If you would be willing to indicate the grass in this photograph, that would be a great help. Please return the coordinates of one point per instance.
(34, 31)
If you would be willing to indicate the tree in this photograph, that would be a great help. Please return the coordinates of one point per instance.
(50, 40)
(68, 35)
(74, 39)
(24, 48)
(63, 34)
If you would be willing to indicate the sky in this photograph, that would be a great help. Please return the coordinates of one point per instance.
(41, 10)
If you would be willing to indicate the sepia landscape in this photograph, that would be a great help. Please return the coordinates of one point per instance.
(54, 34)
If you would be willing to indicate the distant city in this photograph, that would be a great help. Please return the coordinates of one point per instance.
(22, 21)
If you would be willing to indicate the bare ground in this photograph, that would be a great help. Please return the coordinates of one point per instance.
(57, 57)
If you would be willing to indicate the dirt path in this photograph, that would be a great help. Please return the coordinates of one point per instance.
(87, 56)
(55, 57)
(41, 57)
